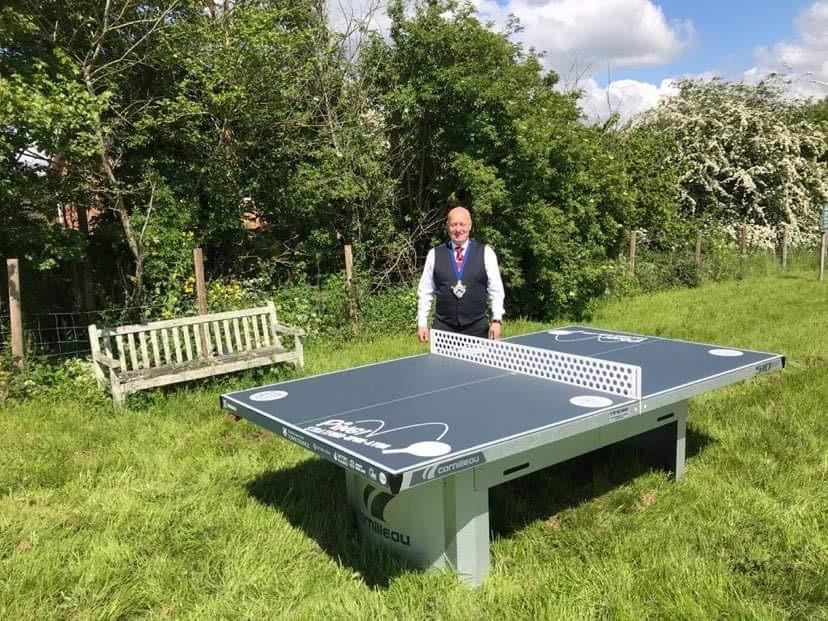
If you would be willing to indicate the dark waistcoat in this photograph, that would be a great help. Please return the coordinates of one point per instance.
(472, 306)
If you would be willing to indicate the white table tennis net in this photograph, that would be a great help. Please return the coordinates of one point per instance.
(616, 378)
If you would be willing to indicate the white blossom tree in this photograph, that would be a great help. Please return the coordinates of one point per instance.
(747, 156)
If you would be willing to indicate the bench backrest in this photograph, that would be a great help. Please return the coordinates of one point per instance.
(179, 341)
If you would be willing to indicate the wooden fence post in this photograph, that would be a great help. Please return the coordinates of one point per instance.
(201, 290)
(633, 239)
(784, 246)
(822, 249)
(201, 297)
(697, 257)
(15, 308)
(743, 248)
(349, 284)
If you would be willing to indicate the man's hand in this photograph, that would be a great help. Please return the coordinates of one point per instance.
(494, 330)
(422, 334)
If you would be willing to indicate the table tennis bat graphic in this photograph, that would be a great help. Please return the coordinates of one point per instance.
(428, 448)
(574, 336)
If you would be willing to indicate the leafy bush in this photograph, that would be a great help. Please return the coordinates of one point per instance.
(71, 378)
(389, 311)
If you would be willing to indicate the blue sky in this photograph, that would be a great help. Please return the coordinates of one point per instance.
(625, 55)
(726, 34)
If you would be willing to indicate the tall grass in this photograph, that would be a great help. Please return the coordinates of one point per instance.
(168, 510)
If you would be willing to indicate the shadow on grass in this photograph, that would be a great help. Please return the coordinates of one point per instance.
(311, 495)
(542, 494)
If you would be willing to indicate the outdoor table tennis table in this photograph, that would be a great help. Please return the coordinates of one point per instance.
(423, 438)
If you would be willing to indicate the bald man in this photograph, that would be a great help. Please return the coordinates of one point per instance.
(463, 275)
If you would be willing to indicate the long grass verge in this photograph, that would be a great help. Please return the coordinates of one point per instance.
(167, 509)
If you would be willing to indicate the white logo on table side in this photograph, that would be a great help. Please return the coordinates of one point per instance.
(356, 432)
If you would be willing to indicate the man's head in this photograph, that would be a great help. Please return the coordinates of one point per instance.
(459, 225)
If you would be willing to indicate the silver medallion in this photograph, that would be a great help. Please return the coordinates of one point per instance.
(459, 289)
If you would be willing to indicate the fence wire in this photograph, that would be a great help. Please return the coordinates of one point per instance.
(65, 334)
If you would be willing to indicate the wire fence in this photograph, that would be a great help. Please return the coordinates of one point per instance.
(64, 334)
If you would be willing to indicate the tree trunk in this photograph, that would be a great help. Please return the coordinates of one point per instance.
(87, 295)
(135, 296)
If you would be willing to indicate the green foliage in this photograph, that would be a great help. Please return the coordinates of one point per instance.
(71, 378)
(472, 118)
(745, 155)
(251, 131)
(390, 311)
(318, 310)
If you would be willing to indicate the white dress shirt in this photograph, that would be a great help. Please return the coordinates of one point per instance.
(425, 290)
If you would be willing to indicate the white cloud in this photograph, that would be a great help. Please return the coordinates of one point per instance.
(582, 38)
(357, 17)
(804, 61)
(626, 97)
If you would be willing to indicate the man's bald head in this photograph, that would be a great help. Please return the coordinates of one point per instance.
(459, 225)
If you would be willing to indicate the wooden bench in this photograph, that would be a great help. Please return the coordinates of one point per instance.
(147, 355)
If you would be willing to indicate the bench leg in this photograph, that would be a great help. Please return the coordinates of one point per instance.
(300, 352)
(117, 390)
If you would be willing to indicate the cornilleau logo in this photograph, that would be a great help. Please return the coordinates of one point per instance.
(376, 505)
(449, 467)
(374, 501)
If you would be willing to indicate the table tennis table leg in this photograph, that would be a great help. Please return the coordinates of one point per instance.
(665, 443)
(442, 524)
(467, 527)
(681, 442)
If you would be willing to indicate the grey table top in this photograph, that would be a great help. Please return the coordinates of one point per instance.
(402, 414)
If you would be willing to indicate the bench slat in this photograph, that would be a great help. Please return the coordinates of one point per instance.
(188, 348)
(228, 338)
(133, 355)
(156, 356)
(142, 338)
(177, 342)
(119, 340)
(257, 339)
(265, 330)
(246, 324)
(239, 344)
(197, 338)
(205, 327)
(165, 342)
(217, 334)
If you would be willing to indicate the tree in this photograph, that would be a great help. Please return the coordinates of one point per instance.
(471, 117)
(85, 62)
(746, 156)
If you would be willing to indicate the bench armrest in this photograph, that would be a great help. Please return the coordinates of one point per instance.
(106, 360)
(283, 329)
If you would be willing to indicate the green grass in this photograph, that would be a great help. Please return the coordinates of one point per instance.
(168, 510)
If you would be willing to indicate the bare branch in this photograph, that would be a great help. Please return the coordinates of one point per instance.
(156, 23)
(149, 213)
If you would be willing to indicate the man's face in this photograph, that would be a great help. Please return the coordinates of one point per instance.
(459, 225)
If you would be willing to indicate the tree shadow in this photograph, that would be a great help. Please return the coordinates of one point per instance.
(312, 496)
